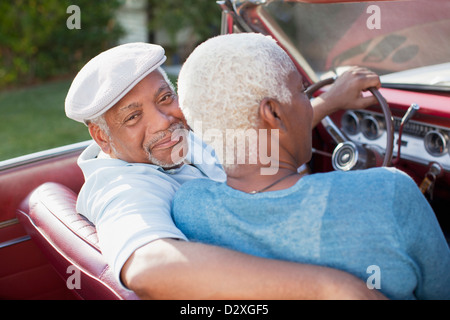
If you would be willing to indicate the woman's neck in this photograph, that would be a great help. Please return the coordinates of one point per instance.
(248, 178)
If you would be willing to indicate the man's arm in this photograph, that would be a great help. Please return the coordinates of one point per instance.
(173, 269)
(346, 93)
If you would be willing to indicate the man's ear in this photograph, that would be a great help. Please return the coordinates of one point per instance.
(269, 112)
(100, 137)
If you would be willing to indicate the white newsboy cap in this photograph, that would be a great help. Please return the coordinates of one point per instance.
(106, 78)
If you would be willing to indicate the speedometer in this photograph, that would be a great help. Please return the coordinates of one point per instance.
(372, 127)
(350, 122)
(436, 143)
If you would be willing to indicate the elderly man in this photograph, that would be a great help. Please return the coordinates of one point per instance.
(361, 222)
(138, 162)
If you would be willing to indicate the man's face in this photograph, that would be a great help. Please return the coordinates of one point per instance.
(142, 124)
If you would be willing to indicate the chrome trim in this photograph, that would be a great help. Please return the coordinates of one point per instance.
(224, 22)
(345, 156)
(233, 8)
(351, 156)
(43, 155)
(412, 110)
(8, 223)
(14, 241)
(337, 135)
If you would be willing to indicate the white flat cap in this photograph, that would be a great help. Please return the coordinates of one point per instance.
(106, 78)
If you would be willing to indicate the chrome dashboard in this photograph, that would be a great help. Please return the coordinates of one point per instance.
(420, 142)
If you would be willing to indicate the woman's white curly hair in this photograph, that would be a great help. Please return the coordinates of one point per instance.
(226, 77)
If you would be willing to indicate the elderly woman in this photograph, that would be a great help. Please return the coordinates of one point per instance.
(385, 233)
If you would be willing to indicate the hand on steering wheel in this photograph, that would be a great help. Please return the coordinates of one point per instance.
(349, 155)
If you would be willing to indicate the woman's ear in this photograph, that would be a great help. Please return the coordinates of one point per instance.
(100, 137)
(270, 114)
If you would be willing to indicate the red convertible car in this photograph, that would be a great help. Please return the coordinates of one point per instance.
(48, 251)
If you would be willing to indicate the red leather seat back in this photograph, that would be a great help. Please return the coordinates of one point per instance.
(70, 242)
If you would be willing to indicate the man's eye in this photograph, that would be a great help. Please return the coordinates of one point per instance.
(131, 118)
(168, 98)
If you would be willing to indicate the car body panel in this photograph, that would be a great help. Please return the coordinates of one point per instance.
(25, 273)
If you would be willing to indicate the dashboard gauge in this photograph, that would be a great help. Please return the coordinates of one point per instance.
(350, 122)
(372, 127)
(421, 142)
(436, 143)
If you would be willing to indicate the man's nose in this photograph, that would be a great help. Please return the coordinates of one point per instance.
(162, 119)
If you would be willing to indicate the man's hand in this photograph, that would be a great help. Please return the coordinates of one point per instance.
(346, 93)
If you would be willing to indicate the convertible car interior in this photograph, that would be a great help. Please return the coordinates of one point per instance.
(49, 251)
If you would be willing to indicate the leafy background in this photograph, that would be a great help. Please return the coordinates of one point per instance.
(36, 45)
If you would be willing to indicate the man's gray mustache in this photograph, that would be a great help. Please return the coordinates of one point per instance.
(174, 127)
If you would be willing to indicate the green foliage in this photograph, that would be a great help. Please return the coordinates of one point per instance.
(173, 15)
(33, 119)
(35, 43)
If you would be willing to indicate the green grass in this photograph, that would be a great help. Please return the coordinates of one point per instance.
(33, 119)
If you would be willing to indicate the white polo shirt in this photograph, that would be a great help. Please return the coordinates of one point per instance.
(130, 203)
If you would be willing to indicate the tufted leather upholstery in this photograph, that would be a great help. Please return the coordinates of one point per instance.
(68, 239)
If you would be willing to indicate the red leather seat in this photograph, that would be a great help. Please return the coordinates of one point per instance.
(70, 242)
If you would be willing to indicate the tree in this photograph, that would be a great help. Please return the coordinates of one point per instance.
(203, 16)
(35, 43)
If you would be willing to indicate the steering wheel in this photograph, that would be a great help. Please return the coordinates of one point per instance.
(349, 155)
